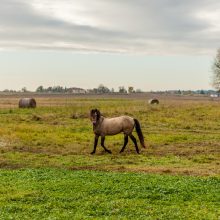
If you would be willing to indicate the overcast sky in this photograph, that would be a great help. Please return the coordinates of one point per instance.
(152, 45)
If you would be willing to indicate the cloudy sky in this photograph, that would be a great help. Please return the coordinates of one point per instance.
(152, 45)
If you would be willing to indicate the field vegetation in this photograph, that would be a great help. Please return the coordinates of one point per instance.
(47, 170)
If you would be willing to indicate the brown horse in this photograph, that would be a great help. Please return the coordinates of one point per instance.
(110, 126)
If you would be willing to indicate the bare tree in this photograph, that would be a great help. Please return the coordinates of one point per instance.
(216, 71)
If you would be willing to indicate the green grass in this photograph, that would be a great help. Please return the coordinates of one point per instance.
(62, 194)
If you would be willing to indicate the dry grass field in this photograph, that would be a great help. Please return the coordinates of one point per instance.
(182, 134)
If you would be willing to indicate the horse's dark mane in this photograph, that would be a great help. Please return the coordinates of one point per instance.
(98, 114)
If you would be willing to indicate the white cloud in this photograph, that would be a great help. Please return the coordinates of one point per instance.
(70, 12)
(118, 26)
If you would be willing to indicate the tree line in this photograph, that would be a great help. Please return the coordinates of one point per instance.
(98, 90)
(101, 89)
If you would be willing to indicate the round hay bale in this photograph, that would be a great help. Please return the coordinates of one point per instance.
(27, 103)
(153, 101)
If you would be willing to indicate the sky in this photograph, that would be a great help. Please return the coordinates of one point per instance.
(151, 45)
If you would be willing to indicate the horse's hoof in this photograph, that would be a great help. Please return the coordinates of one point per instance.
(92, 153)
(121, 152)
(109, 151)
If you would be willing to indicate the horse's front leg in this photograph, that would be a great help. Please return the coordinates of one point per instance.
(95, 143)
(103, 144)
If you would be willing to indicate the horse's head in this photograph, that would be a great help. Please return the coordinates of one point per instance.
(94, 116)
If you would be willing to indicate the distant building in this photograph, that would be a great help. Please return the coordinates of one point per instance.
(215, 95)
(75, 90)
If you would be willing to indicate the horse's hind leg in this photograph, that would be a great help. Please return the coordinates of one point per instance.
(103, 145)
(135, 142)
(125, 143)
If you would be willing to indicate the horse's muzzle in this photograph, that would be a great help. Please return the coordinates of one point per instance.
(94, 122)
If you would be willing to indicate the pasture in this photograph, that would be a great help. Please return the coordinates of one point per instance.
(47, 170)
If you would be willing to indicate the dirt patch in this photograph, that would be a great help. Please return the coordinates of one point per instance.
(8, 165)
(158, 170)
(184, 150)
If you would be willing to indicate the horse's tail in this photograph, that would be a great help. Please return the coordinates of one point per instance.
(139, 132)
